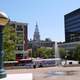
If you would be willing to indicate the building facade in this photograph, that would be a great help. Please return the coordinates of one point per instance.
(37, 43)
(69, 46)
(22, 39)
(36, 37)
(72, 26)
(43, 43)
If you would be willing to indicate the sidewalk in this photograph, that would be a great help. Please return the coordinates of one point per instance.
(41, 73)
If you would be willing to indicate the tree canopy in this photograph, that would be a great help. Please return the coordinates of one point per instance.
(9, 43)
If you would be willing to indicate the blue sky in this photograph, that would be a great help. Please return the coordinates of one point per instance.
(48, 13)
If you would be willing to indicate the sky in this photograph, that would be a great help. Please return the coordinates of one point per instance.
(49, 14)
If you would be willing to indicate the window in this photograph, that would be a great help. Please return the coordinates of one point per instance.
(19, 47)
(20, 34)
(19, 28)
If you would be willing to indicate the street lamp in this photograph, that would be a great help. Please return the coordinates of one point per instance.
(66, 56)
(65, 59)
(3, 21)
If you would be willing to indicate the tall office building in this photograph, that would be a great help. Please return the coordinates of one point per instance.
(72, 26)
(22, 39)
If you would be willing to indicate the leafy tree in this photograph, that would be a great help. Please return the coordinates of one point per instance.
(9, 43)
(30, 54)
(77, 53)
(74, 54)
(34, 52)
(70, 54)
(62, 53)
(45, 52)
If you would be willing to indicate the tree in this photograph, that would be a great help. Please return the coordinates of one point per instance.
(9, 43)
(45, 52)
(70, 54)
(62, 53)
(34, 51)
(77, 53)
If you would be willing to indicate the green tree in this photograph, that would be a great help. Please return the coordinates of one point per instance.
(45, 52)
(34, 52)
(62, 53)
(77, 53)
(70, 54)
(9, 43)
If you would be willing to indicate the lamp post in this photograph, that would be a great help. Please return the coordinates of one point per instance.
(65, 59)
(66, 56)
(3, 21)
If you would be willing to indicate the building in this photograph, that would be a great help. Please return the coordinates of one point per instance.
(43, 43)
(36, 42)
(22, 38)
(36, 36)
(69, 46)
(72, 26)
(48, 44)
